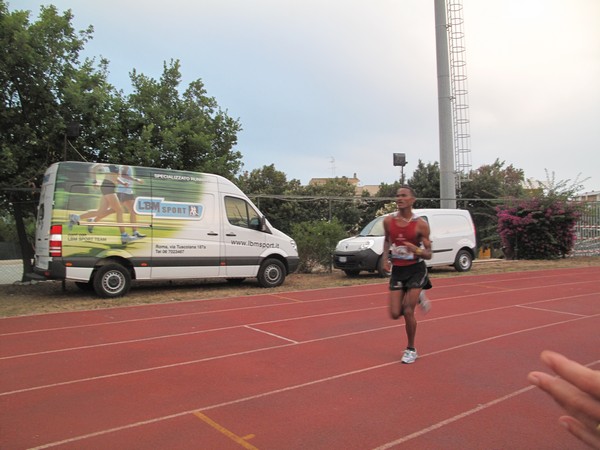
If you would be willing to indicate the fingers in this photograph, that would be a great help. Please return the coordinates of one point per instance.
(575, 402)
(584, 378)
(577, 392)
(579, 430)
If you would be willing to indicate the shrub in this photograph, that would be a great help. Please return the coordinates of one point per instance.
(316, 242)
(538, 228)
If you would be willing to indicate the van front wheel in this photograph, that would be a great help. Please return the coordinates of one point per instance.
(463, 261)
(271, 273)
(112, 280)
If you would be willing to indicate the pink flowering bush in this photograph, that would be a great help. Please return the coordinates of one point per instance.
(538, 228)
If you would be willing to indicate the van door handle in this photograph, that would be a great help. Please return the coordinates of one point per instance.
(231, 234)
(212, 233)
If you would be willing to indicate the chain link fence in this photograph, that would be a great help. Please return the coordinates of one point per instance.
(587, 244)
(11, 266)
(587, 231)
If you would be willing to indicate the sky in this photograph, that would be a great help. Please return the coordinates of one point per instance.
(326, 88)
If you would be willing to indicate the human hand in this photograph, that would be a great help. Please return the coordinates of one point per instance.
(577, 390)
(387, 265)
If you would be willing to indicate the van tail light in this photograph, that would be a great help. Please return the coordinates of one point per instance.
(56, 240)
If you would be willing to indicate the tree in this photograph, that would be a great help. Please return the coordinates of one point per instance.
(489, 185)
(425, 181)
(267, 180)
(56, 107)
(44, 89)
(188, 132)
(334, 199)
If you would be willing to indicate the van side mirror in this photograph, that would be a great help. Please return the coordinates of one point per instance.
(263, 225)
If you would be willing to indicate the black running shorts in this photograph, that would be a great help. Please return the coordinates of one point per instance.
(409, 277)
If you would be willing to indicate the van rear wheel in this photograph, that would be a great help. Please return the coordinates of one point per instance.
(271, 273)
(463, 261)
(112, 280)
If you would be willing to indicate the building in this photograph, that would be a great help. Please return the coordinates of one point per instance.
(354, 181)
(593, 196)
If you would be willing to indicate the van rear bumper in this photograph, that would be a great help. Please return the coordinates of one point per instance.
(56, 270)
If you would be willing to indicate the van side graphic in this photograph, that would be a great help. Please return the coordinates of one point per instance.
(159, 208)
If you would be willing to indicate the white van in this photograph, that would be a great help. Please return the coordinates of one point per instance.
(452, 236)
(102, 225)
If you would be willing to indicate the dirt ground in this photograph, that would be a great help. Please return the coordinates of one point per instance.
(51, 296)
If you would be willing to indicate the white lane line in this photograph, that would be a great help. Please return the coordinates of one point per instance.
(384, 291)
(294, 387)
(450, 420)
(460, 416)
(271, 334)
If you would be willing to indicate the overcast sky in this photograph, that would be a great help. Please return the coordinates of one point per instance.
(335, 87)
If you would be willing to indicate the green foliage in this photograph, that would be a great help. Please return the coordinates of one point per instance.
(46, 88)
(426, 183)
(8, 233)
(56, 107)
(334, 199)
(552, 188)
(316, 242)
(285, 201)
(269, 181)
(169, 130)
(38, 72)
(488, 185)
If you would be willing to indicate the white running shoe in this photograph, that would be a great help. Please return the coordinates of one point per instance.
(73, 220)
(126, 239)
(138, 235)
(424, 302)
(409, 357)
(91, 227)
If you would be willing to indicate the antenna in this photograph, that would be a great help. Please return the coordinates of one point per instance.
(332, 161)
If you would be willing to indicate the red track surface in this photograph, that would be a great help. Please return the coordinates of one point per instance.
(313, 369)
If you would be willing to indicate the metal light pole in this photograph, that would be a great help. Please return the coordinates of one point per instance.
(447, 171)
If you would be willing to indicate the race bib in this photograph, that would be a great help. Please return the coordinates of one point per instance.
(401, 252)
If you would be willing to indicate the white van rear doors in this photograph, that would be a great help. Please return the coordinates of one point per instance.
(448, 232)
(44, 218)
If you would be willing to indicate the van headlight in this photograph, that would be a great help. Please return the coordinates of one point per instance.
(293, 244)
(366, 245)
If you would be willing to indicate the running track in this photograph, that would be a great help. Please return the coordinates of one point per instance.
(315, 369)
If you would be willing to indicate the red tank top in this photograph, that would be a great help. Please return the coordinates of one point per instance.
(398, 237)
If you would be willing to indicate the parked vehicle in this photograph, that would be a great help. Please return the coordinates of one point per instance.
(170, 225)
(452, 236)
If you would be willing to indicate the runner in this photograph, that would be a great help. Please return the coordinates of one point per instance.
(407, 241)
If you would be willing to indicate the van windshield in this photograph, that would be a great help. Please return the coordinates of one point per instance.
(373, 228)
